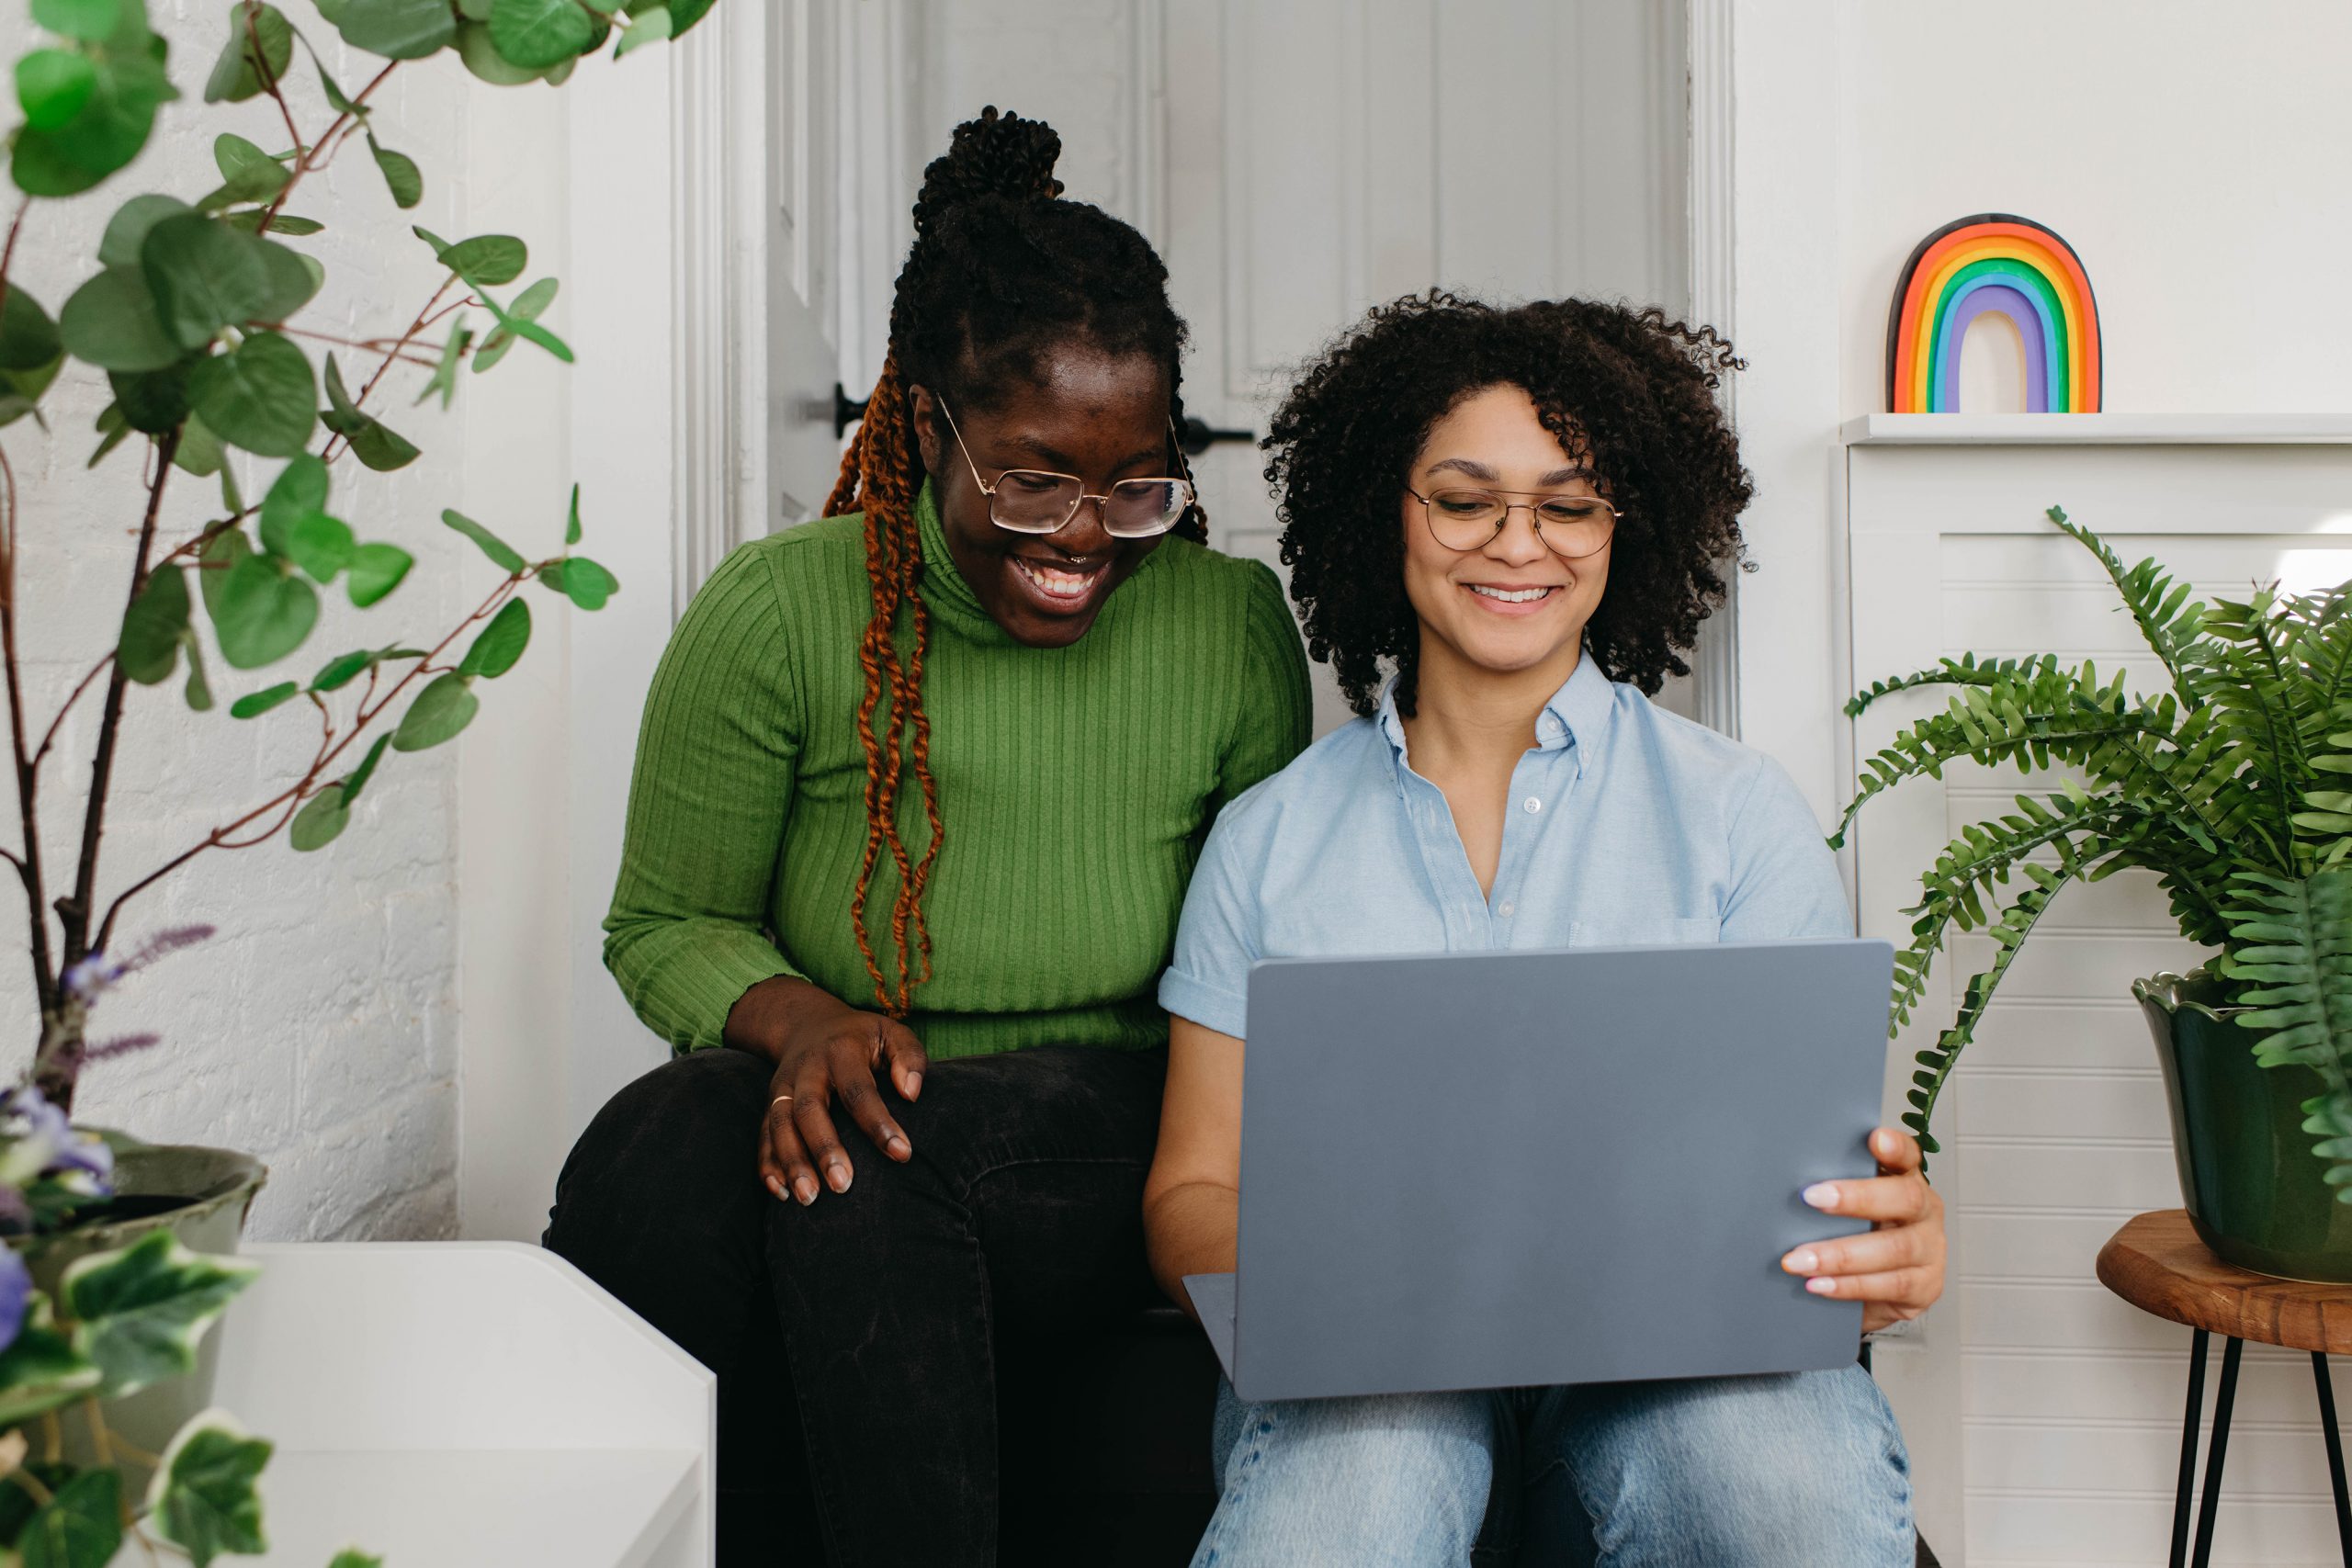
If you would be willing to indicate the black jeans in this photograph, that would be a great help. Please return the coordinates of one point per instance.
(866, 1330)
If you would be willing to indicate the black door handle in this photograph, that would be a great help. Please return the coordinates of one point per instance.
(1198, 436)
(847, 410)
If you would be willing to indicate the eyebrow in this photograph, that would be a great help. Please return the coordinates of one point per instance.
(1484, 474)
(1062, 462)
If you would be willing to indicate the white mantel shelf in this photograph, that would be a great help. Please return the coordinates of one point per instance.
(2098, 429)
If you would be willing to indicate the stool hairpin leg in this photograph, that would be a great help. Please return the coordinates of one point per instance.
(2188, 1424)
(2211, 1503)
(2334, 1454)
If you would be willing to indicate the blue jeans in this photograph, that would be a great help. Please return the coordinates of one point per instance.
(1804, 1468)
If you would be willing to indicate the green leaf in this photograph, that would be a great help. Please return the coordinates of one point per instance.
(111, 322)
(352, 1557)
(53, 86)
(402, 176)
(203, 1498)
(262, 613)
(653, 26)
(148, 647)
(342, 669)
(527, 306)
(452, 356)
(255, 704)
(29, 339)
(287, 223)
(481, 56)
(299, 489)
(259, 396)
(375, 570)
(92, 21)
(372, 442)
(79, 1527)
(686, 13)
(205, 276)
(496, 548)
(218, 563)
(502, 642)
(582, 580)
(250, 174)
(152, 401)
(488, 260)
(572, 525)
(397, 29)
(322, 545)
(294, 278)
(239, 73)
(321, 821)
(41, 1369)
(359, 775)
(139, 1311)
(199, 451)
(111, 126)
(534, 34)
(199, 691)
(443, 708)
(127, 230)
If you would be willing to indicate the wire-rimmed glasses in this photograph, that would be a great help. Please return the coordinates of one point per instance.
(1034, 501)
(1572, 526)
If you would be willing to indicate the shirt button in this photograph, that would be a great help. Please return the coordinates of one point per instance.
(1505, 910)
(1531, 806)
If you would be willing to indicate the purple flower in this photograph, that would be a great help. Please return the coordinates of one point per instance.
(87, 979)
(16, 1294)
(36, 1141)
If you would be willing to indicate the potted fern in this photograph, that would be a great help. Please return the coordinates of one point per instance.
(2231, 786)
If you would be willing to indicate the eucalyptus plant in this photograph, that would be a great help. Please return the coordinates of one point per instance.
(193, 309)
(2229, 784)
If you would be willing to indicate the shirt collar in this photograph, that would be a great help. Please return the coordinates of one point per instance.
(1578, 712)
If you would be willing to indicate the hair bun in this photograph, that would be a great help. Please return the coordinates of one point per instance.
(996, 154)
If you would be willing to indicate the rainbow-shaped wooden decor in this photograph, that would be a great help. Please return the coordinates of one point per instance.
(1999, 263)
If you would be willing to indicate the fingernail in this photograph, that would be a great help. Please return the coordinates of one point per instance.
(777, 1188)
(1800, 1261)
(898, 1146)
(914, 1085)
(1821, 1285)
(837, 1177)
(1821, 1194)
(806, 1190)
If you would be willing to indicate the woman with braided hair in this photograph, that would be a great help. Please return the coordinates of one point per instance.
(917, 796)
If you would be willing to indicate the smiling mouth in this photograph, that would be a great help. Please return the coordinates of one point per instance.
(1513, 595)
(1058, 587)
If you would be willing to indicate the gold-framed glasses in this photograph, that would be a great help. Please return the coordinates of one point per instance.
(1570, 525)
(1033, 500)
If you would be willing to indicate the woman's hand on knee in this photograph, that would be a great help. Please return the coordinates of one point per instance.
(826, 1050)
(1896, 1269)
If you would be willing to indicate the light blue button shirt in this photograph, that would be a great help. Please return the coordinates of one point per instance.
(1625, 824)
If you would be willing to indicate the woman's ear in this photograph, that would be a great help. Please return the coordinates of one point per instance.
(923, 412)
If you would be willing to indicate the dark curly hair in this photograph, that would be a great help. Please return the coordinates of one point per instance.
(1001, 269)
(1631, 394)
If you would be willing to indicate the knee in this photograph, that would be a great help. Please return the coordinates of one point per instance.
(677, 1141)
(1394, 1466)
(1802, 1466)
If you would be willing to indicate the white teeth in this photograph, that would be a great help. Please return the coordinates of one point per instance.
(1511, 595)
(1059, 584)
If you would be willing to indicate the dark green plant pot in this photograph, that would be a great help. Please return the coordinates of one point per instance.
(201, 1196)
(2248, 1174)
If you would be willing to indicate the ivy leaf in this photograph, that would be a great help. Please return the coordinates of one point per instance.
(262, 613)
(536, 34)
(402, 176)
(501, 644)
(139, 1311)
(375, 570)
(258, 396)
(582, 580)
(41, 1369)
(443, 709)
(92, 21)
(148, 650)
(203, 1498)
(79, 1527)
(252, 705)
(299, 489)
(53, 86)
(528, 306)
(496, 548)
(372, 441)
(321, 821)
(397, 29)
(322, 546)
(111, 322)
(239, 73)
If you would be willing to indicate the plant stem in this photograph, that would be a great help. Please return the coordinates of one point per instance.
(28, 858)
(31, 1483)
(99, 1444)
(75, 912)
(269, 77)
(309, 160)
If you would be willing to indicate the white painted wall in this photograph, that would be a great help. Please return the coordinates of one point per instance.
(319, 1030)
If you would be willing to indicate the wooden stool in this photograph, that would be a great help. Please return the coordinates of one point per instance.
(2156, 1263)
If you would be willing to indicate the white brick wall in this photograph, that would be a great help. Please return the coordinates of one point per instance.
(318, 1030)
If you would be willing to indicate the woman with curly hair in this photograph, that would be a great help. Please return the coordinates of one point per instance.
(1520, 513)
(916, 797)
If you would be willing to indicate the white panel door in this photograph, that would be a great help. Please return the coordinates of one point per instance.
(2044, 1413)
(1322, 155)
(804, 175)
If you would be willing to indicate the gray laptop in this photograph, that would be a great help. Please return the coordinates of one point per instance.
(1491, 1170)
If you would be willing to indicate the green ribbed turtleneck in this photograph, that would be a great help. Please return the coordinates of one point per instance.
(1075, 785)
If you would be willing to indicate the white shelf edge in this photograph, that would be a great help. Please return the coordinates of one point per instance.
(2097, 430)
